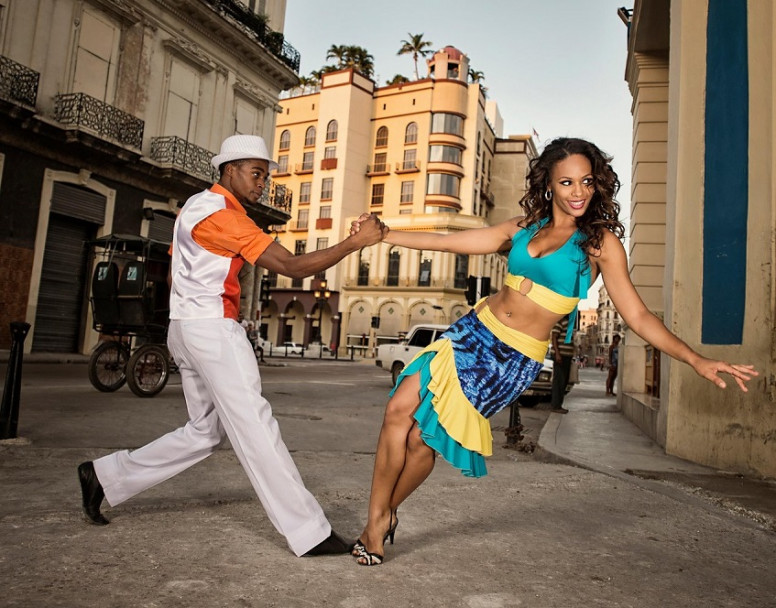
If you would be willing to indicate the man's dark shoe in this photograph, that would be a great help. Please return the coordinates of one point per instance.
(560, 410)
(92, 494)
(334, 545)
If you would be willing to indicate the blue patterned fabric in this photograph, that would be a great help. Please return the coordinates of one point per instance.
(491, 374)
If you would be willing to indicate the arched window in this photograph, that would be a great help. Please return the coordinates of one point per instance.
(382, 137)
(394, 257)
(331, 131)
(411, 133)
(285, 140)
(462, 270)
(309, 137)
(363, 266)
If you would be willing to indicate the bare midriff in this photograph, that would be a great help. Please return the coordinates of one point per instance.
(515, 310)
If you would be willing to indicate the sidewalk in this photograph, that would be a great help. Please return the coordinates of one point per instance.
(595, 435)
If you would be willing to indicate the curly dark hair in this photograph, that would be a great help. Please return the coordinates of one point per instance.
(603, 211)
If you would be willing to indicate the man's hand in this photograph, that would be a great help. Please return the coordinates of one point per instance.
(368, 230)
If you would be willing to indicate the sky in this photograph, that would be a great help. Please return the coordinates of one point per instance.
(556, 67)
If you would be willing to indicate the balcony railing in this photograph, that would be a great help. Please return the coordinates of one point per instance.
(81, 110)
(256, 27)
(17, 82)
(183, 155)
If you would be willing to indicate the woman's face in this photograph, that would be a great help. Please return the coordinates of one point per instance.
(572, 185)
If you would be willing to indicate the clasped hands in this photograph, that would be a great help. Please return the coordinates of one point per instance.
(369, 229)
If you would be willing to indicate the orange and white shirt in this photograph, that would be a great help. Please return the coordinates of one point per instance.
(212, 238)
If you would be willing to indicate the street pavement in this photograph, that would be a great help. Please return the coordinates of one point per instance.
(584, 511)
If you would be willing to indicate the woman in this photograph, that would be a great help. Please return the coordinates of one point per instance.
(569, 235)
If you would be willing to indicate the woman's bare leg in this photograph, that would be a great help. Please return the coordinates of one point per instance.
(390, 460)
(417, 467)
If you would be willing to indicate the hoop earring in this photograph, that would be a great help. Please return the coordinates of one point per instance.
(548, 195)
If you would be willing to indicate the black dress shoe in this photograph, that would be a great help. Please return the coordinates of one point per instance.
(334, 545)
(91, 491)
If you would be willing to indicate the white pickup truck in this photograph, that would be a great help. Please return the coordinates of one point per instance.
(394, 357)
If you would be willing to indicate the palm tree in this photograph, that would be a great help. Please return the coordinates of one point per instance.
(338, 52)
(475, 76)
(417, 47)
(358, 58)
(398, 79)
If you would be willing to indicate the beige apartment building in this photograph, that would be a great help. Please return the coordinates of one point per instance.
(703, 219)
(110, 112)
(423, 156)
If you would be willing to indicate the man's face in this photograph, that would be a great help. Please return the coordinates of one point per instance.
(247, 179)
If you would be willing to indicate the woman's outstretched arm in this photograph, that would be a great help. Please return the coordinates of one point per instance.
(613, 266)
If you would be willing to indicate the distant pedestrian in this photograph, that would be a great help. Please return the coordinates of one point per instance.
(614, 359)
(212, 238)
(563, 355)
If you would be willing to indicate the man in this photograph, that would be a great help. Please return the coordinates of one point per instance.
(614, 357)
(212, 238)
(563, 353)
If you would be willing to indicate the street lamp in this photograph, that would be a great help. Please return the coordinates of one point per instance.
(321, 296)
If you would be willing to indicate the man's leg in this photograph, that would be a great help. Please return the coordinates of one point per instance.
(227, 363)
(560, 378)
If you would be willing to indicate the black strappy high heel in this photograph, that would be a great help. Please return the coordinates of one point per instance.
(374, 559)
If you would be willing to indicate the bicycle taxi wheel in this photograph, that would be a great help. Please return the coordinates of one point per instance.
(148, 370)
(107, 366)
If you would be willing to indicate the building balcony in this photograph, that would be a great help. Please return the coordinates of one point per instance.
(278, 197)
(378, 169)
(18, 84)
(323, 223)
(444, 167)
(328, 163)
(106, 121)
(255, 27)
(176, 152)
(298, 226)
(303, 169)
(408, 166)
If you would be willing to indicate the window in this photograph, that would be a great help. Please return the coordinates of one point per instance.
(382, 137)
(378, 192)
(283, 163)
(380, 161)
(424, 270)
(407, 192)
(304, 192)
(363, 267)
(248, 117)
(97, 58)
(330, 152)
(461, 271)
(405, 211)
(444, 154)
(302, 220)
(442, 183)
(327, 188)
(331, 131)
(307, 161)
(409, 161)
(411, 133)
(394, 257)
(422, 337)
(182, 101)
(322, 243)
(446, 123)
(309, 137)
(325, 212)
(300, 247)
(285, 140)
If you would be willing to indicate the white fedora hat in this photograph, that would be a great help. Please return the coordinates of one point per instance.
(240, 147)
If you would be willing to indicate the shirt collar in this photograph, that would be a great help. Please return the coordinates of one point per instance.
(232, 201)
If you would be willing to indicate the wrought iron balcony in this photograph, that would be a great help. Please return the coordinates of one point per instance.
(18, 83)
(187, 157)
(256, 27)
(82, 110)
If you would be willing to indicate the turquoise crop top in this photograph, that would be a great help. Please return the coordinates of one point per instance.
(565, 271)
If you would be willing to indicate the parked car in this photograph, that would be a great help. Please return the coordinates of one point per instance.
(314, 350)
(393, 357)
(290, 348)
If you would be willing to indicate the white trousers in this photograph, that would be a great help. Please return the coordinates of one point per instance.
(222, 386)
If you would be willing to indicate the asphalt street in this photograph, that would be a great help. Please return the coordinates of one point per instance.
(531, 533)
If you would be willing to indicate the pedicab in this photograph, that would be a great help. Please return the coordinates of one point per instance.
(130, 308)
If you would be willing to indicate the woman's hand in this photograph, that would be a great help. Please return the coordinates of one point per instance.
(355, 225)
(709, 369)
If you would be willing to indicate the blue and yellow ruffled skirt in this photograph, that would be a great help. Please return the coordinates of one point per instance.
(474, 370)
